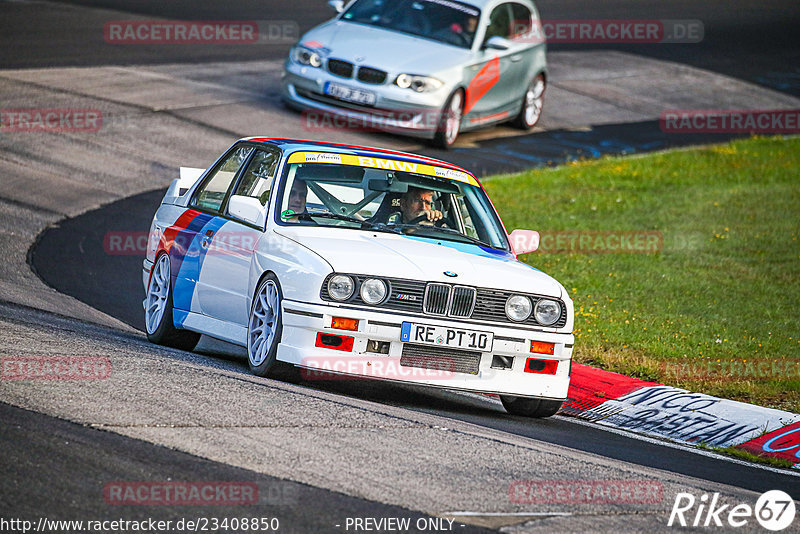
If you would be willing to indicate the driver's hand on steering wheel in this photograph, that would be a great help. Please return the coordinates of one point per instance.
(432, 217)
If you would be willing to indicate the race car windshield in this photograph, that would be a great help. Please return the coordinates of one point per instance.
(446, 21)
(372, 199)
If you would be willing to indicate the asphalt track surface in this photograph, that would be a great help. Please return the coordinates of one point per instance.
(755, 41)
(63, 253)
(50, 473)
(42, 456)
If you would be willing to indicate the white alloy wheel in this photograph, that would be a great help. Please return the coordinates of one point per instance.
(449, 124)
(534, 101)
(453, 120)
(158, 321)
(263, 329)
(157, 294)
(532, 104)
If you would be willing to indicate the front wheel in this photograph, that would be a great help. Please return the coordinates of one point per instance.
(526, 407)
(158, 310)
(532, 104)
(449, 121)
(265, 326)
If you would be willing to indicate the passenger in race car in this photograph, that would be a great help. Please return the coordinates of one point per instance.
(297, 196)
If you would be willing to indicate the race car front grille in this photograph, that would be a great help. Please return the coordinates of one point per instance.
(442, 359)
(370, 75)
(437, 299)
(463, 301)
(340, 68)
(444, 300)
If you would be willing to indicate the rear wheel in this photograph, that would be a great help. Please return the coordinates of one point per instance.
(158, 310)
(532, 104)
(450, 121)
(530, 407)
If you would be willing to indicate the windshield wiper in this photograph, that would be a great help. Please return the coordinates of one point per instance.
(380, 227)
(449, 231)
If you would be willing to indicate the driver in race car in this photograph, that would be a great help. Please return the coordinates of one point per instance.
(416, 204)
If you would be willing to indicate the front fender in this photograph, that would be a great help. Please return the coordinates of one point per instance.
(300, 270)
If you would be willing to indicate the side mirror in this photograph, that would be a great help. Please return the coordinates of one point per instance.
(498, 43)
(524, 241)
(337, 5)
(248, 209)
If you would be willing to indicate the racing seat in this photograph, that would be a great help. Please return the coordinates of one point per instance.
(389, 205)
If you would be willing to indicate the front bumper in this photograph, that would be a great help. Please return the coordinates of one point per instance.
(302, 322)
(396, 110)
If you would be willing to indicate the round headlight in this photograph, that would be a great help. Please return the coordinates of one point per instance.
(518, 308)
(404, 81)
(547, 311)
(373, 291)
(340, 287)
(304, 56)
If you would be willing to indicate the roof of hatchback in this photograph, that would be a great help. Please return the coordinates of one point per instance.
(295, 145)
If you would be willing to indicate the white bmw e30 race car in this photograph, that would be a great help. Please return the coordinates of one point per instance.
(359, 262)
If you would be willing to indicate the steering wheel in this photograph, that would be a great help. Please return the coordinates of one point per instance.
(423, 217)
(464, 37)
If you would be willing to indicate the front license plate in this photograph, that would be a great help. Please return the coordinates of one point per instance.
(350, 94)
(442, 336)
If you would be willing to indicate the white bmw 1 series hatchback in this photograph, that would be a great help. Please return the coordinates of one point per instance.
(425, 68)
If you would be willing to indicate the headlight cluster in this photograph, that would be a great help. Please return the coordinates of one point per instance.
(340, 287)
(419, 84)
(519, 308)
(305, 56)
(373, 290)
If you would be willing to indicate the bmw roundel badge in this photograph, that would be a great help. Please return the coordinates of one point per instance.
(451, 274)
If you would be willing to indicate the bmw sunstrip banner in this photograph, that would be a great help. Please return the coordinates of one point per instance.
(383, 163)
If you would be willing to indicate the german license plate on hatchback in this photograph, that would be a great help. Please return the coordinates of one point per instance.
(442, 336)
(350, 94)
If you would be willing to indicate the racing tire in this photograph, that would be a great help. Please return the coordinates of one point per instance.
(532, 104)
(264, 327)
(158, 319)
(538, 408)
(449, 125)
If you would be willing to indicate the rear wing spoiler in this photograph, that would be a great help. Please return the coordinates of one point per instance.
(178, 189)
